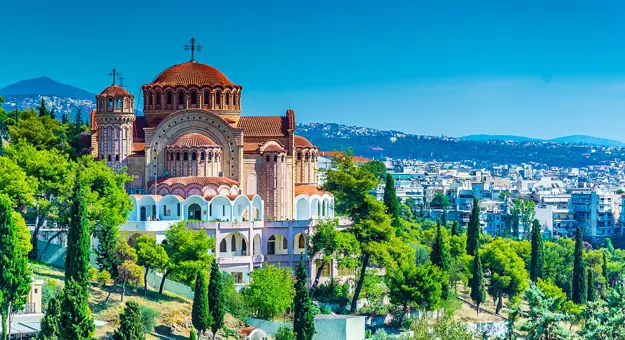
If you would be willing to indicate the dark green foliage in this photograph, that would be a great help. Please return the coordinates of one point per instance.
(376, 168)
(440, 201)
(216, 302)
(43, 110)
(478, 295)
(515, 219)
(14, 272)
(235, 304)
(75, 322)
(285, 333)
(537, 259)
(440, 258)
(200, 315)
(507, 230)
(130, 323)
(50, 322)
(608, 245)
(444, 218)
(455, 228)
(391, 202)
(591, 287)
(473, 229)
(303, 317)
(147, 319)
(604, 268)
(580, 292)
(106, 250)
(77, 256)
(192, 336)
(542, 323)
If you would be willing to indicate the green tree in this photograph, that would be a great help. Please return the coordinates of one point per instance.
(44, 132)
(412, 285)
(580, 292)
(376, 168)
(43, 110)
(440, 200)
(542, 323)
(127, 270)
(391, 202)
(507, 229)
(14, 271)
(285, 333)
(444, 218)
(455, 228)
(75, 322)
(371, 226)
(50, 322)
(604, 267)
(78, 240)
(477, 283)
(592, 288)
(16, 184)
(608, 245)
(187, 251)
(303, 315)
(270, 291)
(525, 209)
(200, 314)
(216, 298)
(559, 263)
(150, 255)
(130, 325)
(515, 220)
(473, 229)
(537, 260)
(440, 258)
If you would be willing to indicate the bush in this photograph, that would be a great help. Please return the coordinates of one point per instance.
(48, 291)
(333, 292)
(235, 304)
(147, 319)
(285, 333)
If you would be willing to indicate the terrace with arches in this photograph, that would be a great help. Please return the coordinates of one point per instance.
(312, 203)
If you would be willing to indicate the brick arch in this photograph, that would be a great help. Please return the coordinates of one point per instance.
(203, 122)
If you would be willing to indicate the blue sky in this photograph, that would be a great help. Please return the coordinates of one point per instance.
(535, 68)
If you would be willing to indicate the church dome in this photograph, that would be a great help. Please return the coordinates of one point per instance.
(114, 90)
(193, 140)
(191, 74)
(301, 142)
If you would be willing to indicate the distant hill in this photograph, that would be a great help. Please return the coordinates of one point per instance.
(45, 86)
(574, 139)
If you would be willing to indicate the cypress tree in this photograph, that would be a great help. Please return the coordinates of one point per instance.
(43, 110)
(592, 289)
(444, 217)
(50, 322)
(455, 228)
(64, 118)
(14, 272)
(77, 256)
(478, 295)
(200, 315)
(507, 230)
(130, 324)
(391, 202)
(536, 261)
(303, 318)
(75, 322)
(579, 271)
(440, 258)
(473, 229)
(216, 298)
(52, 114)
(604, 268)
(78, 119)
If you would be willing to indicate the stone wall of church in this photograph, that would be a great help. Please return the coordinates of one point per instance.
(251, 173)
(136, 169)
(274, 185)
(306, 166)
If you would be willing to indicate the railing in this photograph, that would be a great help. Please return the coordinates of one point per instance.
(29, 308)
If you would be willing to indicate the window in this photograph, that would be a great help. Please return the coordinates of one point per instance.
(185, 157)
(210, 156)
(243, 247)
(119, 103)
(171, 156)
(222, 246)
(36, 291)
(108, 158)
(206, 96)
(271, 245)
(275, 158)
(193, 98)
(177, 156)
(217, 98)
(202, 156)
(116, 158)
(282, 158)
(285, 243)
(193, 156)
(110, 104)
(301, 242)
(180, 98)
(299, 156)
(178, 210)
(150, 100)
(238, 277)
(227, 98)
(169, 98)
(268, 159)
(307, 156)
(158, 98)
(233, 243)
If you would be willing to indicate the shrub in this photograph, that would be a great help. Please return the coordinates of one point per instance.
(49, 290)
(285, 333)
(333, 292)
(147, 319)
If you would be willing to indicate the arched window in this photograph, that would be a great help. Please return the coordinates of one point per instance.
(193, 97)
(116, 158)
(271, 245)
(149, 99)
(306, 156)
(202, 156)
(275, 158)
(217, 98)
(210, 156)
(243, 247)
(285, 243)
(110, 104)
(158, 98)
(170, 97)
(206, 98)
(108, 158)
(119, 103)
(301, 243)
(171, 156)
(299, 156)
(233, 244)
(193, 156)
(227, 98)
(185, 157)
(268, 159)
(180, 98)
(177, 156)
(222, 246)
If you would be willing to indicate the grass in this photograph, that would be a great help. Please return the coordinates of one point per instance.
(174, 310)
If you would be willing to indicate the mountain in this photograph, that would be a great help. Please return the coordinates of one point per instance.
(573, 139)
(373, 143)
(45, 86)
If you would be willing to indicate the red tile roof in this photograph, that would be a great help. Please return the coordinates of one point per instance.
(115, 90)
(247, 331)
(251, 147)
(191, 73)
(356, 159)
(309, 189)
(192, 140)
(263, 126)
(274, 148)
(202, 181)
(137, 147)
(301, 142)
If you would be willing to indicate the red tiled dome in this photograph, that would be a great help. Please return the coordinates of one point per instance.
(191, 73)
(115, 90)
(301, 142)
(193, 140)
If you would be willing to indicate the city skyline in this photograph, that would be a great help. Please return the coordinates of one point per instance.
(491, 68)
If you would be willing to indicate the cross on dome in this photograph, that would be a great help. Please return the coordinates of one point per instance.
(114, 73)
(193, 47)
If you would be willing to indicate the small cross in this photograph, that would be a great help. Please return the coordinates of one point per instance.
(121, 80)
(114, 73)
(193, 48)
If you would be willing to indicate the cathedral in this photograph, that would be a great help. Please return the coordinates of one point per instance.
(248, 181)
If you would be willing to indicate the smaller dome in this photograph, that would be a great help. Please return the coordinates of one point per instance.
(301, 142)
(274, 148)
(115, 90)
(193, 140)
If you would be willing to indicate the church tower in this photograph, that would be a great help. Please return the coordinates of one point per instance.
(115, 117)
